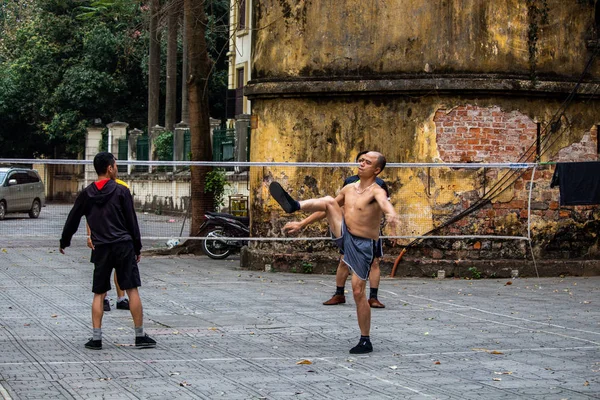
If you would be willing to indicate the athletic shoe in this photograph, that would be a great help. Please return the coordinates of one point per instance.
(144, 342)
(94, 344)
(335, 299)
(362, 347)
(375, 303)
(123, 304)
(106, 305)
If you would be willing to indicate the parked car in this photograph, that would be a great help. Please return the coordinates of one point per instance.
(21, 190)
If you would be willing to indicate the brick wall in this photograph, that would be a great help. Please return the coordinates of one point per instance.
(585, 150)
(489, 135)
(475, 134)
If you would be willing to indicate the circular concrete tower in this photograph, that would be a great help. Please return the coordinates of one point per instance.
(410, 78)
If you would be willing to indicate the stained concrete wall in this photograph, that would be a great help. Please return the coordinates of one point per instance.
(407, 78)
(362, 38)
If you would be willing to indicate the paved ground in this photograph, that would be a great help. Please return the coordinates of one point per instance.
(231, 334)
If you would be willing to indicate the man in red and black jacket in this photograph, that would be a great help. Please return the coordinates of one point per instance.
(108, 208)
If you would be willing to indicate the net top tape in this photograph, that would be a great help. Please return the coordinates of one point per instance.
(268, 164)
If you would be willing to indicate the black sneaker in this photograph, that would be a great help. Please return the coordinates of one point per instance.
(94, 344)
(144, 342)
(123, 304)
(106, 305)
(362, 347)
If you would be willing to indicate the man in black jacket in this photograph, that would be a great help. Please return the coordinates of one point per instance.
(108, 209)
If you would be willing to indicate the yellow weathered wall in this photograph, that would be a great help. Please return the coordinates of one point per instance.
(403, 129)
(353, 37)
(332, 78)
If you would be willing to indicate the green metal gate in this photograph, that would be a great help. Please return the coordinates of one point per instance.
(223, 144)
(142, 153)
(187, 145)
(122, 154)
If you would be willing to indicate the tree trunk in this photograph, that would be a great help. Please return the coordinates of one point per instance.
(199, 69)
(185, 114)
(171, 96)
(154, 66)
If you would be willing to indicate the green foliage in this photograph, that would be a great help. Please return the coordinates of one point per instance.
(475, 274)
(57, 72)
(65, 62)
(163, 145)
(110, 9)
(215, 183)
(307, 267)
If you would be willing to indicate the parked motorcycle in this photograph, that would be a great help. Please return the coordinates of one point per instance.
(223, 225)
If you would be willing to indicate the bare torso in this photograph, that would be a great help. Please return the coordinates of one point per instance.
(362, 213)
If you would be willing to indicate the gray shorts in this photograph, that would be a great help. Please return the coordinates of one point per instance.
(359, 252)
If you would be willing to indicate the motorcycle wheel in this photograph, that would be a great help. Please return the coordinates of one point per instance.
(215, 248)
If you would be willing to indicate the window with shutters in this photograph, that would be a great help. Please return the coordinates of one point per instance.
(241, 20)
(239, 92)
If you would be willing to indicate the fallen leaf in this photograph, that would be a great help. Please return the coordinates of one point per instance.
(496, 352)
(54, 315)
(508, 283)
(586, 383)
(212, 328)
(304, 362)
(4, 251)
(437, 363)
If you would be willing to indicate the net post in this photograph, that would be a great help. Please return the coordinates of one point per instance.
(529, 203)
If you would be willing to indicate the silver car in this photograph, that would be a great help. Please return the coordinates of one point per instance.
(21, 190)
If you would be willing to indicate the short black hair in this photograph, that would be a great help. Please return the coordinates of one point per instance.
(361, 153)
(380, 159)
(102, 161)
(381, 162)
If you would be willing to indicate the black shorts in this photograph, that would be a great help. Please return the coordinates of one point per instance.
(120, 257)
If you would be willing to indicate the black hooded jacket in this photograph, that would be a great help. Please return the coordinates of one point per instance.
(110, 214)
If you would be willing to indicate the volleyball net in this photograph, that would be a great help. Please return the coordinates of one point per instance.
(432, 200)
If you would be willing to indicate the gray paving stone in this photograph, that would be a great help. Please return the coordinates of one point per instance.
(225, 333)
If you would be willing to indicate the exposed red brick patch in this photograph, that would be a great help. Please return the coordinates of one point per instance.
(475, 134)
(585, 150)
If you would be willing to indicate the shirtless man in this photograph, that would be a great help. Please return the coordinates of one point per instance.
(356, 231)
(342, 272)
